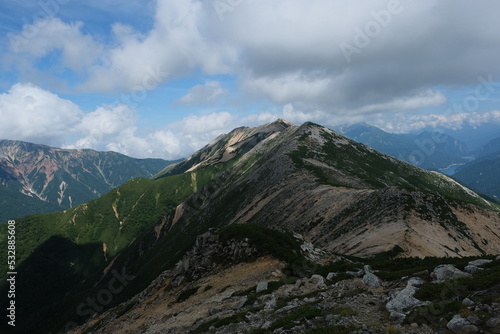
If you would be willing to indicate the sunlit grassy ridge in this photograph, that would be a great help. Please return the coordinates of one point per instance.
(116, 218)
(369, 168)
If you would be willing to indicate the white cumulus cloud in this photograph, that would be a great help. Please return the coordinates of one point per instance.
(30, 113)
(454, 121)
(282, 51)
(39, 39)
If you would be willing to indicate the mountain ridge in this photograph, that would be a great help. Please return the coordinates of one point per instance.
(225, 147)
(342, 196)
(61, 178)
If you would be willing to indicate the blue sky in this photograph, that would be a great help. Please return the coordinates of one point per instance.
(162, 78)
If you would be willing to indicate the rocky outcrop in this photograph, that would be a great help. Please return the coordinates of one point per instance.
(447, 272)
(493, 325)
(370, 279)
(318, 281)
(479, 263)
(461, 325)
(207, 252)
(243, 297)
(228, 146)
(261, 286)
(403, 301)
(470, 269)
(474, 266)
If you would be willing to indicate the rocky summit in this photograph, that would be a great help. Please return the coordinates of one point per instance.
(273, 229)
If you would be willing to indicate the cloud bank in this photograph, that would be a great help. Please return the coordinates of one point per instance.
(328, 61)
(287, 52)
(451, 121)
(32, 114)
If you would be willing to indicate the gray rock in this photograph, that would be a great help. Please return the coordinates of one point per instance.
(447, 272)
(266, 325)
(298, 329)
(286, 308)
(493, 325)
(298, 236)
(467, 302)
(319, 281)
(241, 302)
(397, 317)
(330, 276)
(498, 257)
(185, 265)
(214, 310)
(370, 279)
(178, 281)
(358, 273)
(479, 262)
(472, 269)
(270, 303)
(310, 299)
(227, 295)
(307, 246)
(261, 286)
(487, 308)
(461, 325)
(330, 317)
(474, 319)
(415, 281)
(404, 299)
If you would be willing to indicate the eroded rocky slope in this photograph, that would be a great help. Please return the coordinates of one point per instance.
(59, 178)
(234, 287)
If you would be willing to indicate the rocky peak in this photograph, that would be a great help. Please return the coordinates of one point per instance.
(227, 147)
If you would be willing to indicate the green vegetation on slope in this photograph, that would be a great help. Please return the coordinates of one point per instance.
(132, 248)
(116, 218)
(62, 178)
(354, 161)
(14, 204)
(446, 297)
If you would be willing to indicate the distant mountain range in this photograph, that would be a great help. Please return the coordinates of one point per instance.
(482, 175)
(492, 147)
(435, 151)
(429, 150)
(38, 178)
(342, 196)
